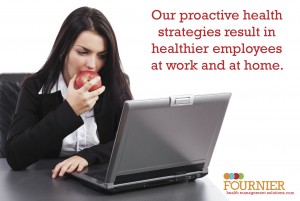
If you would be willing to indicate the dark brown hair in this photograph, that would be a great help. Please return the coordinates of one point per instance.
(82, 19)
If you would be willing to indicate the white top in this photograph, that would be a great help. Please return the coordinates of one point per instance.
(86, 135)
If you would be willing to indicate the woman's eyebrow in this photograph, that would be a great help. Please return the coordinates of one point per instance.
(103, 52)
(86, 49)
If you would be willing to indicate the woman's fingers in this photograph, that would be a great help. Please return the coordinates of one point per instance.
(90, 83)
(97, 92)
(72, 81)
(82, 100)
(74, 163)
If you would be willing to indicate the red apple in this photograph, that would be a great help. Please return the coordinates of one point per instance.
(85, 76)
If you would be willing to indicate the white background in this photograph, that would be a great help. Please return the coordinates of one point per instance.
(259, 134)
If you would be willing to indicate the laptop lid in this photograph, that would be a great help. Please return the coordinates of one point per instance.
(167, 136)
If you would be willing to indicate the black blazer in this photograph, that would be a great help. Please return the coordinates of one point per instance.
(42, 121)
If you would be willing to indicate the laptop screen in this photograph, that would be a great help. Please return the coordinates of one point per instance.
(159, 138)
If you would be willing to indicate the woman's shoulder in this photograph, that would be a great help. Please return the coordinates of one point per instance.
(32, 83)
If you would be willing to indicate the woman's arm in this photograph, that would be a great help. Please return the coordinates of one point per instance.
(31, 136)
(100, 153)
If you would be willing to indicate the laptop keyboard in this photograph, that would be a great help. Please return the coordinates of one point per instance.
(100, 175)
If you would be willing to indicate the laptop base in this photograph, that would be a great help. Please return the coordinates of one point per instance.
(139, 186)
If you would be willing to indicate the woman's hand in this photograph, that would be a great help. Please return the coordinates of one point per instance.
(81, 100)
(74, 163)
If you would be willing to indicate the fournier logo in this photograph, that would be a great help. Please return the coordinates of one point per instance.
(235, 182)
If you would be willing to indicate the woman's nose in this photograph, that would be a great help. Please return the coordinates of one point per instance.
(91, 62)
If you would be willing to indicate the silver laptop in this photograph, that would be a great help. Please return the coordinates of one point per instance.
(161, 141)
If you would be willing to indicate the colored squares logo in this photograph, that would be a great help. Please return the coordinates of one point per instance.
(233, 176)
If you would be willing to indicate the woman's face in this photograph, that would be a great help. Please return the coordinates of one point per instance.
(87, 53)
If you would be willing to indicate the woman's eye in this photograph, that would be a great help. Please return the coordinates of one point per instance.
(82, 52)
(102, 56)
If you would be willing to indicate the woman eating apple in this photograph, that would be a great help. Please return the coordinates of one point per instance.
(55, 117)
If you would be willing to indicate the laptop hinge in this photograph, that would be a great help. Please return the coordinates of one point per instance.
(181, 100)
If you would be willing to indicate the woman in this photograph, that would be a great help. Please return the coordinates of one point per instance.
(53, 119)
